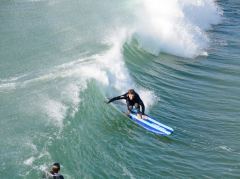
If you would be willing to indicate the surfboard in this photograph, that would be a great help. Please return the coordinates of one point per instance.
(151, 124)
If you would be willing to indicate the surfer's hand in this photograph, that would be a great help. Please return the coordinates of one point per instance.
(107, 101)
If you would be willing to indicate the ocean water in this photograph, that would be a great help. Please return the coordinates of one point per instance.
(60, 60)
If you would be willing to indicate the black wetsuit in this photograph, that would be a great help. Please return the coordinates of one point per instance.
(136, 102)
(51, 175)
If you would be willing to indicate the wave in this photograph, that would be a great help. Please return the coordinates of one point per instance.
(176, 27)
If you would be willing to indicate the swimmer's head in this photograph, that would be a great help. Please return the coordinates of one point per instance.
(56, 167)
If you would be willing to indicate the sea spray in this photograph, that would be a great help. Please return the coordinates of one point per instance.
(175, 27)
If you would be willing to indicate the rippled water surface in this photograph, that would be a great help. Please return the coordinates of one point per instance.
(60, 60)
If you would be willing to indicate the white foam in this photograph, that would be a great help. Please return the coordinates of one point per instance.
(32, 146)
(94, 72)
(29, 161)
(70, 95)
(43, 167)
(126, 172)
(7, 86)
(175, 26)
(226, 148)
(112, 60)
(148, 97)
(12, 79)
(10, 83)
(55, 110)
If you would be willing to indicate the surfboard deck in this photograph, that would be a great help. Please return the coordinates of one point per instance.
(151, 124)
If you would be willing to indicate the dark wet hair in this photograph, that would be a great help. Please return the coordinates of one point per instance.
(131, 91)
(57, 165)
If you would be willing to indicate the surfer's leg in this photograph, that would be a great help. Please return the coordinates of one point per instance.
(137, 107)
(129, 107)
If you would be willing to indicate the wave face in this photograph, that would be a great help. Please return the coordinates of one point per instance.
(60, 60)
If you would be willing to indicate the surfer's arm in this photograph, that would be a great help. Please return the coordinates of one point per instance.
(140, 102)
(117, 98)
(142, 106)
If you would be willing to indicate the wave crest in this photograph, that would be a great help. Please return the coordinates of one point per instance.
(176, 27)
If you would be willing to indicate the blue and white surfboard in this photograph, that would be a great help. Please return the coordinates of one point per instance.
(151, 124)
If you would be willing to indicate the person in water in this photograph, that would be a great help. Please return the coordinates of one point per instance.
(132, 100)
(54, 173)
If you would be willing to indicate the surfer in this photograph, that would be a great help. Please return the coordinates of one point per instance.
(53, 174)
(132, 100)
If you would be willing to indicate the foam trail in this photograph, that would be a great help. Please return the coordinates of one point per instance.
(176, 26)
(7, 86)
(12, 79)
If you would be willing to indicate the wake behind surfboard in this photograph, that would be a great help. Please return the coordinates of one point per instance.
(151, 124)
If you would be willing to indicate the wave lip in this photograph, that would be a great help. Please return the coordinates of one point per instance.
(176, 27)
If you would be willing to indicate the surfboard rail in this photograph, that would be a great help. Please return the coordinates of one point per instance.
(151, 124)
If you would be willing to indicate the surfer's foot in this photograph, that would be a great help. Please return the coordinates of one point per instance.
(139, 116)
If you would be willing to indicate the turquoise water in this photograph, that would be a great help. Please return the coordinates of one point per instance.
(59, 60)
